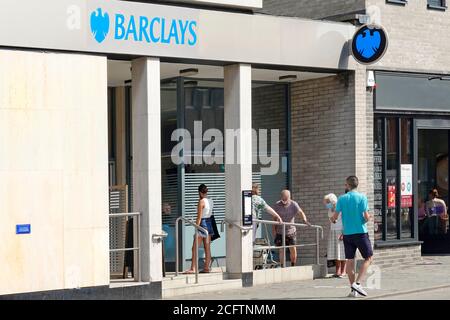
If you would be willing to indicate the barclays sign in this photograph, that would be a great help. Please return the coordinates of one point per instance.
(134, 29)
(99, 25)
(143, 29)
(369, 44)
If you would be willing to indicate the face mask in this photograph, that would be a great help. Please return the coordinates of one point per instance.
(329, 206)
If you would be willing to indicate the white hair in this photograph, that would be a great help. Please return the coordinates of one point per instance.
(331, 198)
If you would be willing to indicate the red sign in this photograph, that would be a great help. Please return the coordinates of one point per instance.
(407, 201)
(391, 197)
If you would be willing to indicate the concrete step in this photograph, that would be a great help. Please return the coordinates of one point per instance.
(171, 280)
(174, 290)
(279, 275)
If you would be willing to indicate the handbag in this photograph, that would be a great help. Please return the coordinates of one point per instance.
(216, 234)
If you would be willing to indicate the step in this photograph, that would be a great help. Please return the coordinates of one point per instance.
(279, 275)
(181, 290)
(171, 280)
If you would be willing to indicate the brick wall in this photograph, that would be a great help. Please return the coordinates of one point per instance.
(269, 112)
(311, 9)
(331, 139)
(418, 37)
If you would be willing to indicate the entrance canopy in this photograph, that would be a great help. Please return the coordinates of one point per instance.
(119, 73)
(171, 32)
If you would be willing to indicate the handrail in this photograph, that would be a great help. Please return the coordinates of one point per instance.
(284, 246)
(118, 215)
(158, 237)
(291, 224)
(177, 255)
(233, 224)
(136, 239)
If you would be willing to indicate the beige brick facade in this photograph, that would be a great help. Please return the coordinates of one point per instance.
(312, 9)
(332, 134)
(418, 37)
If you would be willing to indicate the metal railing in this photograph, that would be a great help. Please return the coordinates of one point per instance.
(177, 244)
(136, 242)
(244, 230)
(319, 235)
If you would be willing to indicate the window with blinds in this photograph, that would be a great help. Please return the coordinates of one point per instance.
(437, 4)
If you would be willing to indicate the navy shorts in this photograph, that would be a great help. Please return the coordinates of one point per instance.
(358, 241)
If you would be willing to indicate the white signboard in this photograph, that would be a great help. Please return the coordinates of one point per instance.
(407, 185)
(406, 171)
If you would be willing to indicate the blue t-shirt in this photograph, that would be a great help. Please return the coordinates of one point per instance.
(352, 205)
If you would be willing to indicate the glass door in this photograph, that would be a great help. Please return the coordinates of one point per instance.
(433, 189)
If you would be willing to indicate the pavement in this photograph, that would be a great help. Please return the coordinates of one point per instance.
(426, 279)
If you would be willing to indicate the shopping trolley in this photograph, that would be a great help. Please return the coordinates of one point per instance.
(262, 256)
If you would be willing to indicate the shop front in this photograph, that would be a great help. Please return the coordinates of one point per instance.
(411, 145)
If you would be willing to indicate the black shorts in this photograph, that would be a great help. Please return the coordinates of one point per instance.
(290, 240)
(358, 241)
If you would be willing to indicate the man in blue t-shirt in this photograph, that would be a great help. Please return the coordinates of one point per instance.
(355, 214)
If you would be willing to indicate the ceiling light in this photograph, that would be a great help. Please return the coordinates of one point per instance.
(188, 72)
(288, 77)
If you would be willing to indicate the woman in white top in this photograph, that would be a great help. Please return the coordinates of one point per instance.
(204, 213)
(336, 250)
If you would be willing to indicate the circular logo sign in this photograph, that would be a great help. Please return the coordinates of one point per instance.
(369, 44)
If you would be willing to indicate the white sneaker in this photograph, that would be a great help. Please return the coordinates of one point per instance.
(353, 294)
(359, 289)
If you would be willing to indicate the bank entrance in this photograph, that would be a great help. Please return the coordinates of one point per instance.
(193, 103)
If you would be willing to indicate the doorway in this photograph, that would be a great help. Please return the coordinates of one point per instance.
(433, 138)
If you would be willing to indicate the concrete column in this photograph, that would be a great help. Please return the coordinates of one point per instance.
(146, 125)
(238, 171)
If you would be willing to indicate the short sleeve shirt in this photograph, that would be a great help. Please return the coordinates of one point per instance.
(287, 214)
(258, 206)
(352, 206)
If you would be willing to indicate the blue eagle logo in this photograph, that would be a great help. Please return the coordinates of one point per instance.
(99, 25)
(368, 43)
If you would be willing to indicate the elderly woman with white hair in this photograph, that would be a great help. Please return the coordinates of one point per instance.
(336, 250)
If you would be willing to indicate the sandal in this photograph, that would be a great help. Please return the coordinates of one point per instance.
(205, 271)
